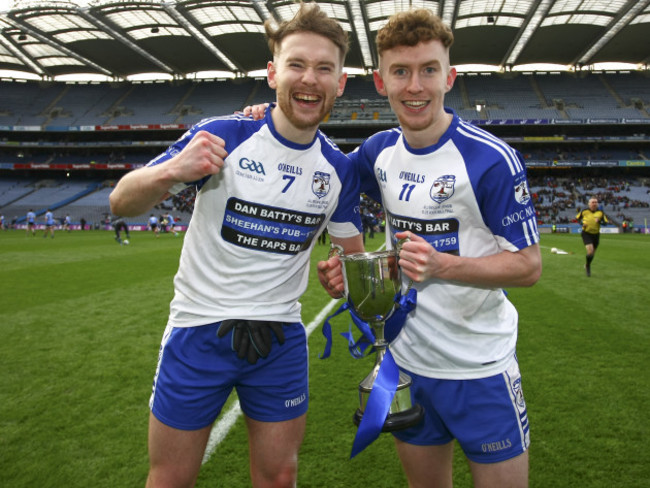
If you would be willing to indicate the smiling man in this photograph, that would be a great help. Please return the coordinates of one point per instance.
(460, 196)
(266, 190)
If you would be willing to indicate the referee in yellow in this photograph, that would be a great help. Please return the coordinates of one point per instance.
(591, 218)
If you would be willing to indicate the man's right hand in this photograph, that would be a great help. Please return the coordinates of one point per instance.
(204, 155)
(139, 190)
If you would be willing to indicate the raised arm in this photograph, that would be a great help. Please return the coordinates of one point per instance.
(141, 189)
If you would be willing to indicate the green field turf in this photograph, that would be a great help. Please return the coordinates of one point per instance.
(80, 325)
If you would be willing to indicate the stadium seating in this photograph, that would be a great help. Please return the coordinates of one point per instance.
(478, 97)
(501, 96)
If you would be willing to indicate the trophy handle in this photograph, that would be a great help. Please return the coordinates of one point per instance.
(335, 250)
(400, 243)
(398, 248)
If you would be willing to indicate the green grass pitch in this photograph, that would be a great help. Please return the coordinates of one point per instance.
(81, 320)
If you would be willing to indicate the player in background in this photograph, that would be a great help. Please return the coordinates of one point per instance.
(591, 219)
(266, 190)
(119, 225)
(31, 222)
(50, 223)
(153, 225)
(171, 223)
(67, 222)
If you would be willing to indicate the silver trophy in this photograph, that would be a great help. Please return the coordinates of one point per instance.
(372, 281)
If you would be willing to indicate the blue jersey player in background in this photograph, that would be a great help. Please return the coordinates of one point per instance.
(460, 196)
(50, 223)
(266, 190)
(31, 222)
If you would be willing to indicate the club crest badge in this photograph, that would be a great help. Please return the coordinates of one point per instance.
(522, 194)
(320, 184)
(442, 188)
(519, 394)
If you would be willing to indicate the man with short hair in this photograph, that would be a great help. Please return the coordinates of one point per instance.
(266, 190)
(171, 222)
(153, 224)
(30, 219)
(459, 195)
(67, 223)
(120, 225)
(49, 224)
(591, 219)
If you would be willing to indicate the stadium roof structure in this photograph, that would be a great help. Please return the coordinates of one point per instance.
(122, 38)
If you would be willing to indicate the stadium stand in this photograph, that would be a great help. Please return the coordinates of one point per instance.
(56, 125)
(205, 99)
(81, 104)
(499, 96)
(12, 189)
(514, 97)
(147, 102)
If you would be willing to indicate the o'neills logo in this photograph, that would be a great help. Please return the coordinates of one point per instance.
(496, 446)
(294, 402)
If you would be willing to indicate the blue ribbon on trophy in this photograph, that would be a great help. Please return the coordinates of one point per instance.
(371, 281)
(404, 304)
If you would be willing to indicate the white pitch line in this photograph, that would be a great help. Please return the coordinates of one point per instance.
(221, 429)
(223, 426)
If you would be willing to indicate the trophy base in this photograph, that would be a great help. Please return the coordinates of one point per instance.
(397, 421)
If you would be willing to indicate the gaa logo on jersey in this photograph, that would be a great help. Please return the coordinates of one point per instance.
(522, 195)
(320, 184)
(252, 166)
(443, 188)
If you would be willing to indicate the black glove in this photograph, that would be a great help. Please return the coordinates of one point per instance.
(251, 339)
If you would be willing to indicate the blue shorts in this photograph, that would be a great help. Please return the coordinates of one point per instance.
(486, 416)
(198, 370)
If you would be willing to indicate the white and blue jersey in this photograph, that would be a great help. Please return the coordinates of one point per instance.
(49, 219)
(31, 217)
(466, 195)
(247, 248)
